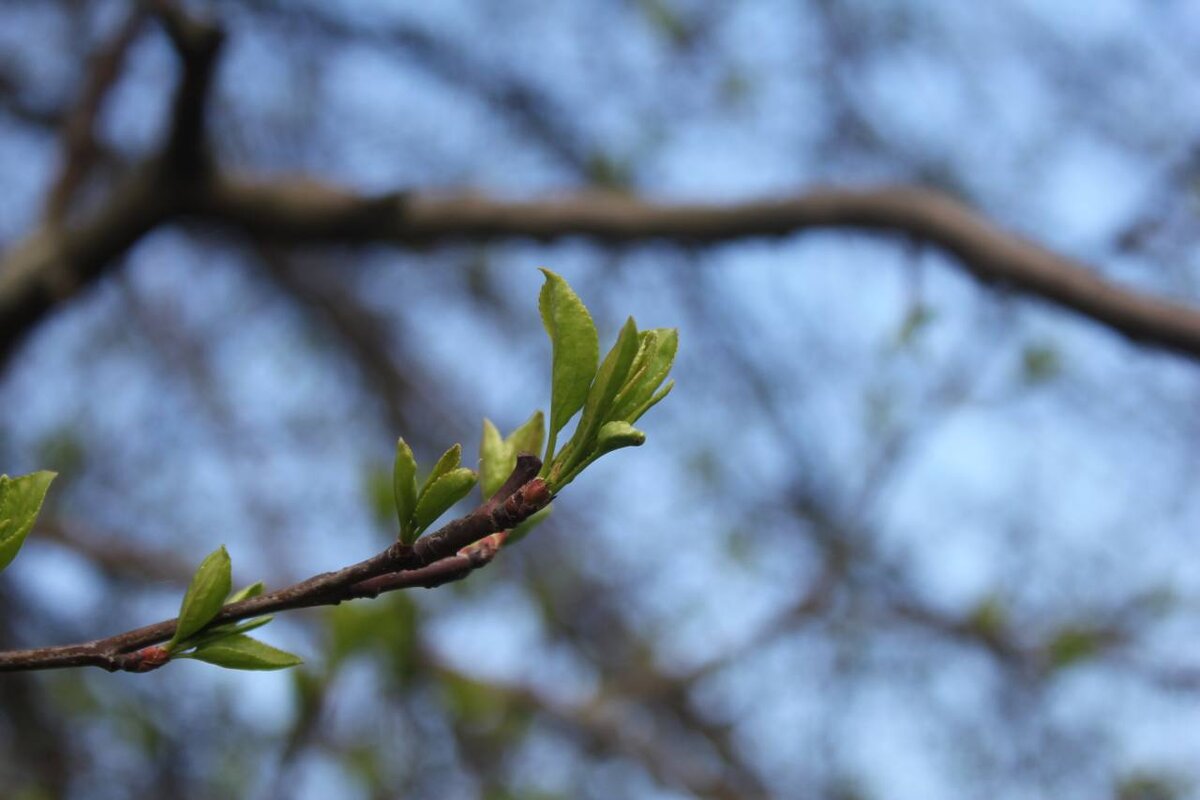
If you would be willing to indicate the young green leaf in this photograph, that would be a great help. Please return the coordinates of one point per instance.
(222, 631)
(637, 413)
(575, 351)
(20, 502)
(498, 457)
(600, 397)
(242, 652)
(445, 492)
(246, 592)
(612, 436)
(618, 434)
(528, 437)
(404, 487)
(647, 347)
(493, 456)
(449, 460)
(646, 377)
(204, 596)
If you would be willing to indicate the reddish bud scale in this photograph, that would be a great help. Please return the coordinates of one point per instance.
(536, 492)
(147, 659)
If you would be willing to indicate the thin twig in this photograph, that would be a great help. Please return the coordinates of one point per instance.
(79, 147)
(446, 555)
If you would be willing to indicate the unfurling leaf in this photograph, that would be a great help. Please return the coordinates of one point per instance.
(527, 438)
(612, 436)
(615, 435)
(204, 596)
(246, 592)
(20, 502)
(404, 488)
(608, 382)
(493, 455)
(637, 413)
(443, 493)
(242, 652)
(498, 457)
(656, 355)
(222, 631)
(575, 351)
(449, 460)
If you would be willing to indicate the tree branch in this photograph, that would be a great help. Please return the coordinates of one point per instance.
(306, 211)
(79, 147)
(458, 548)
(55, 262)
(303, 211)
(197, 44)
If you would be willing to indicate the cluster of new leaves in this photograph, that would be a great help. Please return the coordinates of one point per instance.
(498, 458)
(446, 484)
(611, 394)
(223, 645)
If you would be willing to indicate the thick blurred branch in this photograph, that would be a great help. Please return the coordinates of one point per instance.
(42, 272)
(56, 261)
(304, 211)
(53, 263)
(114, 555)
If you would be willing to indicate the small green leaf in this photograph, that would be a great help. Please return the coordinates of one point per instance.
(498, 457)
(527, 438)
(989, 618)
(445, 492)
(915, 322)
(637, 413)
(246, 592)
(575, 351)
(493, 455)
(204, 596)
(222, 631)
(647, 348)
(1040, 363)
(604, 390)
(634, 398)
(612, 436)
(618, 434)
(243, 652)
(449, 460)
(1072, 644)
(404, 487)
(20, 502)
(387, 628)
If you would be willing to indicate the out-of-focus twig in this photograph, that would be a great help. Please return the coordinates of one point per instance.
(79, 146)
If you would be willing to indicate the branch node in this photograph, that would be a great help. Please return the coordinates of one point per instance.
(145, 660)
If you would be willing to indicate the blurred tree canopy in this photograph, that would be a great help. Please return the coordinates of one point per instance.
(919, 521)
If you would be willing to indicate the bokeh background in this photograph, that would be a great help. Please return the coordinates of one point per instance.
(896, 534)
